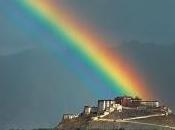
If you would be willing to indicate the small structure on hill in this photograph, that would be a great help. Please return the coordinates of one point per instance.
(128, 101)
(150, 103)
(104, 104)
(90, 110)
(70, 116)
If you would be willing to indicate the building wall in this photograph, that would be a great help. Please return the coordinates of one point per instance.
(87, 110)
(69, 116)
(104, 104)
(150, 103)
(128, 101)
(90, 110)
(101, 105)
(94, 109)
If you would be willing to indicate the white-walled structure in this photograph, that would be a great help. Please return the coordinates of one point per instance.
(94, 109)
(105, 104)
(150, 103)
(118, 107)
(69, 116)
(90, 110)
(101, 105)
(87, 110)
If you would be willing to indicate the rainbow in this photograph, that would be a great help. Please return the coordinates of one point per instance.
(112, 69)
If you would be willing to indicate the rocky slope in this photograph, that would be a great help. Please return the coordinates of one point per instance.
(149, 123)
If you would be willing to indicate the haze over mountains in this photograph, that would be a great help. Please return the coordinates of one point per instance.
(33, 83)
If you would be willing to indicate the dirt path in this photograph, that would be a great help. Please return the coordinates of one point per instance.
(130, 120)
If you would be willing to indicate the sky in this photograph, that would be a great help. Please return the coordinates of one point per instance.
(36, 87)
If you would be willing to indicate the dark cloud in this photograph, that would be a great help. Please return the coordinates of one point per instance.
(145, 20)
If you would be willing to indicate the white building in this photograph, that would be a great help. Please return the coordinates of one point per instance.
(104, 104)
(69, 116)
(87, 110)
(150, 103)
(118, 107)
(90, 110)
(94, 109)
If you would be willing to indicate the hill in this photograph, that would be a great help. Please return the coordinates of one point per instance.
(150, 123)
(125, 112)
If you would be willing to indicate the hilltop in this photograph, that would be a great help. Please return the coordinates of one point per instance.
(125, 112)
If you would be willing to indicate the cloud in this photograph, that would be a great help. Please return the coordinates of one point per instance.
(147, 21)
